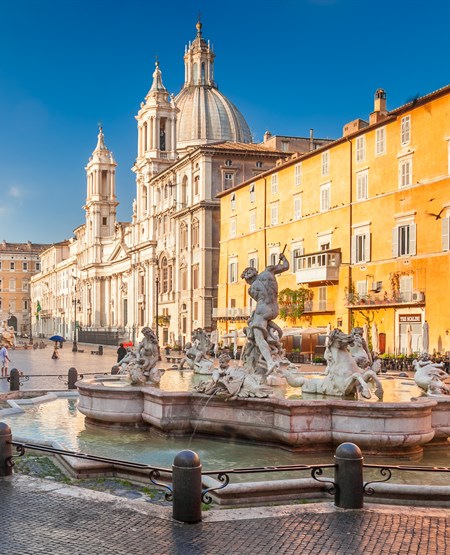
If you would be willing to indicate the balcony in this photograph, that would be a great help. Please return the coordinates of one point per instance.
(318, 306)
(318, 267)
(373, 300)
(232, 314)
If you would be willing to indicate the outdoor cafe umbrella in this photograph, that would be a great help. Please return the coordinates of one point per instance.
(409, 334)
(374, 337)
(57, 338)
(425, 337)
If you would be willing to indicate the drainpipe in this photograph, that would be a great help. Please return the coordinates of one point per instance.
(265, 222)
(350, 227)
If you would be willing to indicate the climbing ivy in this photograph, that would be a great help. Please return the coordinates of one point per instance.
(292, 302)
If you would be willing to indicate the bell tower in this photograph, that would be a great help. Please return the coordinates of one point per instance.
(101, 201)
(157, 122)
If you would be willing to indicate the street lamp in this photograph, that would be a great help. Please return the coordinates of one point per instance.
(31, 323)
(76, 303)
(156, 303)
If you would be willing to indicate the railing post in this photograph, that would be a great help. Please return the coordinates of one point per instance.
(348, 477)
(187, 487)
(5, 450)
(14, 380)
(72, 377)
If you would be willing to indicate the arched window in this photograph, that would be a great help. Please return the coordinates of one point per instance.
(203, 73)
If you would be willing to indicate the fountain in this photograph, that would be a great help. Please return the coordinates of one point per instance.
(248, 401)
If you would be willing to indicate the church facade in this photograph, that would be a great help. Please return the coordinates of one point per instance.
(160, 269)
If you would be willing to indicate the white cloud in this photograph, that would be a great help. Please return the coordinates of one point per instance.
(15, 192)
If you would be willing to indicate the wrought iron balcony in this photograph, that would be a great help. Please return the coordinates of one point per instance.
(318, 266)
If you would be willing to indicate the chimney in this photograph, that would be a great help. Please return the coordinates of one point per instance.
(311, 139)
(267, 135)
(379, 109)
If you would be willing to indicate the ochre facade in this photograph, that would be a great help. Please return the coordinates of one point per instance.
(364, 222)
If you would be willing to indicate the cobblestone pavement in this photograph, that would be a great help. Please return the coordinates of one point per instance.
(43, 517)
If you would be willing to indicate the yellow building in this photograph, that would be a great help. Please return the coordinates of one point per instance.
(365, 224)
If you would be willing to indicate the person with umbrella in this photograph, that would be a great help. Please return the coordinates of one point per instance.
(57, 339)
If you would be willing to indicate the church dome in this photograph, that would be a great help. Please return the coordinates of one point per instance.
(205, 114)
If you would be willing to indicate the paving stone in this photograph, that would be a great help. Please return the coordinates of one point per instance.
(35, 520)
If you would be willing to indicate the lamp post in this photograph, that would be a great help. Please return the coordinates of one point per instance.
(156, 303)
(74, 344)
(31, 324)
(76, 303)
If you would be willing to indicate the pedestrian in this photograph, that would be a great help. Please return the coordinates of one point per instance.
(4, 360)
(55, 352)
(121, 352)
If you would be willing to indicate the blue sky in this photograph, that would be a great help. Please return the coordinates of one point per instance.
(288, 65)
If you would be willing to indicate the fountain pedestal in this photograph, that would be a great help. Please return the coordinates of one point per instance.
(398, 428)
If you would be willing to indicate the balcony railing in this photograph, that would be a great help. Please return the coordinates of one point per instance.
(318, 266)
(373, 300)
(318, 306)
(232, 313)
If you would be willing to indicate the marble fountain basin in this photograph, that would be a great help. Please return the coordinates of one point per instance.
(402, 426)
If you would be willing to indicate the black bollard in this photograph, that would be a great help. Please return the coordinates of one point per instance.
(14, 380)
(187, 487)
(348, 477)
(72, 377)
(5, 450)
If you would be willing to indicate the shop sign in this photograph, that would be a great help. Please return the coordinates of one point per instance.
(410, 318)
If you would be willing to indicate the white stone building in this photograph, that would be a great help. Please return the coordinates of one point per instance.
(160, 269)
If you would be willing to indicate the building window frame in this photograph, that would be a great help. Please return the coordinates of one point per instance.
(362, 185)
(298, 174)
(298, 201)
(380, 141)
(232, 271)
(274, 213)
(405, 130)
(252, 220)
(404, 242)
(325, 197)
(274, 183)
(233, 226)
(325, 165)
(405, 169)
(360, 149)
